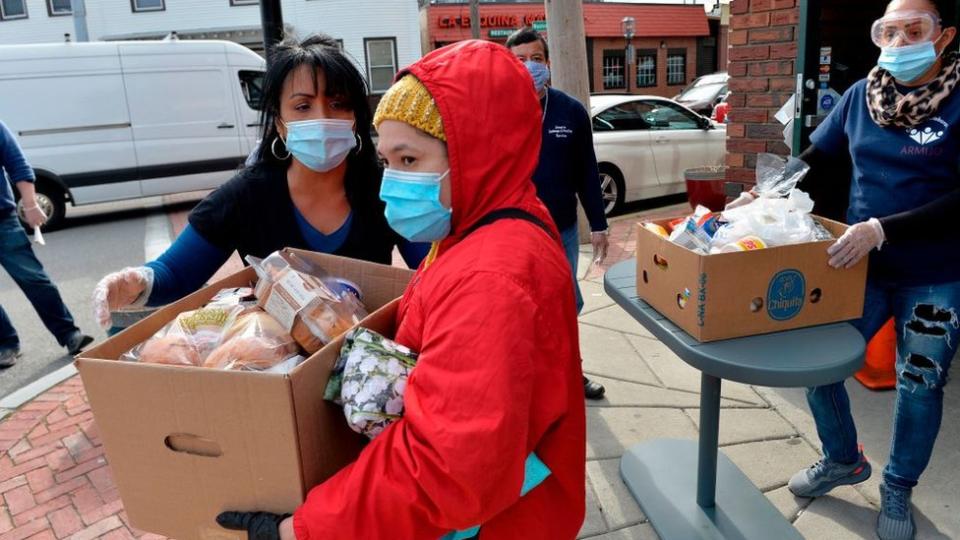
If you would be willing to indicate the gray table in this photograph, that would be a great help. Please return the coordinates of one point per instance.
(688, 489)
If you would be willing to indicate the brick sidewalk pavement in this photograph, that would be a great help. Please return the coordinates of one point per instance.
(54, 478)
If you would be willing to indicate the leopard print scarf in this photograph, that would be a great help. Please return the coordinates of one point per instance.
(888, 107)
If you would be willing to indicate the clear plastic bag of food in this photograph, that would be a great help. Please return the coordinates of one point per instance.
(255, 341)
(779, 217)
(189, 339)
(314, 306)
(233, 297)
(776, 176)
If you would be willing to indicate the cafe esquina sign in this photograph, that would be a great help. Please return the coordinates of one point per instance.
(491, 21)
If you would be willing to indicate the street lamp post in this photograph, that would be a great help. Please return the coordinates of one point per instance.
(629, 25)
(271, 18)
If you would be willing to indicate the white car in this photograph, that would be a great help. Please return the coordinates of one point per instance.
(645, 143)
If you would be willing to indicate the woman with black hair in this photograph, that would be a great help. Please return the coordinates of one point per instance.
(314, 185)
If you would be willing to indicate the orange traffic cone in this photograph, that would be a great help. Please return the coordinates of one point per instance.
(878, 371)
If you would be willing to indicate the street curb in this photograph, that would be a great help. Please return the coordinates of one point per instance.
(24, 394)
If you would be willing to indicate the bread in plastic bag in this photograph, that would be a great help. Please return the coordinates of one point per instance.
(255, 341)
(189, 338)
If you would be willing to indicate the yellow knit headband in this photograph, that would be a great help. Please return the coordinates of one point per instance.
(410, 102)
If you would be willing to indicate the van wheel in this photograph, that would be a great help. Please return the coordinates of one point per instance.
(52, 200)
(611, 185)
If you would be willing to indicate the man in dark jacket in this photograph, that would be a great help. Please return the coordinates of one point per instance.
(567, 169)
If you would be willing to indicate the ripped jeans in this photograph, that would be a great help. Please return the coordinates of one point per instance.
(927, 334)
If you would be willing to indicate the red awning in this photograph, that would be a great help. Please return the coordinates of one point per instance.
(652, 20)
(449, 23)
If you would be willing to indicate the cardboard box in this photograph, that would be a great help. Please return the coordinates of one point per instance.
(186, 443)
(728, 295)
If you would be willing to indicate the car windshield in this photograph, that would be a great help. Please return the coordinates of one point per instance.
(704, 92)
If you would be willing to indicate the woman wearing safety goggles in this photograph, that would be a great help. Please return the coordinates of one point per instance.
(899, 126)
(910, 42)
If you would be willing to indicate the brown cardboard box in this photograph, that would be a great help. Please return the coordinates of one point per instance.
(186, 443)
(729, 295)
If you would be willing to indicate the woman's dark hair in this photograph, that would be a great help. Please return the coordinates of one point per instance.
(343, 80)
(947, 9)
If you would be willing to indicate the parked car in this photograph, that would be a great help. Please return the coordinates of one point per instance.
(645, 143)
(704, 93)
(108, 121)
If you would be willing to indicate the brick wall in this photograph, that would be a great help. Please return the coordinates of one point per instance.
(762, 57)
(641, 44)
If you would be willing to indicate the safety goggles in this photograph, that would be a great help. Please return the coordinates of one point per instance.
(902, 28)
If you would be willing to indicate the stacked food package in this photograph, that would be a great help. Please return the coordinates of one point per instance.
(295, 309)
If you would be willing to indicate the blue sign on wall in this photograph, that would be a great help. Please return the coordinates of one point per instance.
(827, 102)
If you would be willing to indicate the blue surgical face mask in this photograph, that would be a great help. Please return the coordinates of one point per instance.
(540, 73)
(908, 63)
(413, 207)
(321, 145)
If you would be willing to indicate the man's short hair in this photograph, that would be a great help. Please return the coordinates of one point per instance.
(527, 35)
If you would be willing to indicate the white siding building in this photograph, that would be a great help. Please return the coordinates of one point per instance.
(382, 35)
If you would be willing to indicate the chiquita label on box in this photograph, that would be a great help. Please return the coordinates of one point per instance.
(786, 295)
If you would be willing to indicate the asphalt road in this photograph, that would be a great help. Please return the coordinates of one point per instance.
(95, 241)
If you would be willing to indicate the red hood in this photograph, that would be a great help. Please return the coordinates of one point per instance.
(492, 119)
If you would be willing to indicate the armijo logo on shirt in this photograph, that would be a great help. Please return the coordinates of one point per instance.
(931, 132)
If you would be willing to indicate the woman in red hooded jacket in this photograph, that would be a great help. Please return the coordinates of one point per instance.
(491, 313)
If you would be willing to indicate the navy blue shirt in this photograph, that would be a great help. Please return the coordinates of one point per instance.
(13, 166)
(896, 170)
(568, 164)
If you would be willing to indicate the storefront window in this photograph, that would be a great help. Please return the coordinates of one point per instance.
(677, 67)
(646, 68)
(613, 70)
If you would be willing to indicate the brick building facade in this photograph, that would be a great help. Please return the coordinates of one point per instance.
(655, 54)
(762, 60)
(673, 43)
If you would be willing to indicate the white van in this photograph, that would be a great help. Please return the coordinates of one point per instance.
(107, 121)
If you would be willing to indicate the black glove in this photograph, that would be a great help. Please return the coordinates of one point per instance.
(259, 525)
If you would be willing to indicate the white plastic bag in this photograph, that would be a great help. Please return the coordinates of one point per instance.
(780, 215)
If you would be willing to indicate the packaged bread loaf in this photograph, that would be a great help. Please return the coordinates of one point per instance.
(312, 305)
(189, 338)
(256, 341)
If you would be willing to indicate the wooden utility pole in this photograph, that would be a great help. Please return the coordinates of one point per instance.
(568, 49)
(475, 19)
(567, 40)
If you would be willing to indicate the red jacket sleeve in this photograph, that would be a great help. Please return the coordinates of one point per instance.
(456, 458)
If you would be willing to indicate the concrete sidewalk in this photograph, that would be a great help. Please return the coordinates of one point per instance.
(651, 393)
(55, 482)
